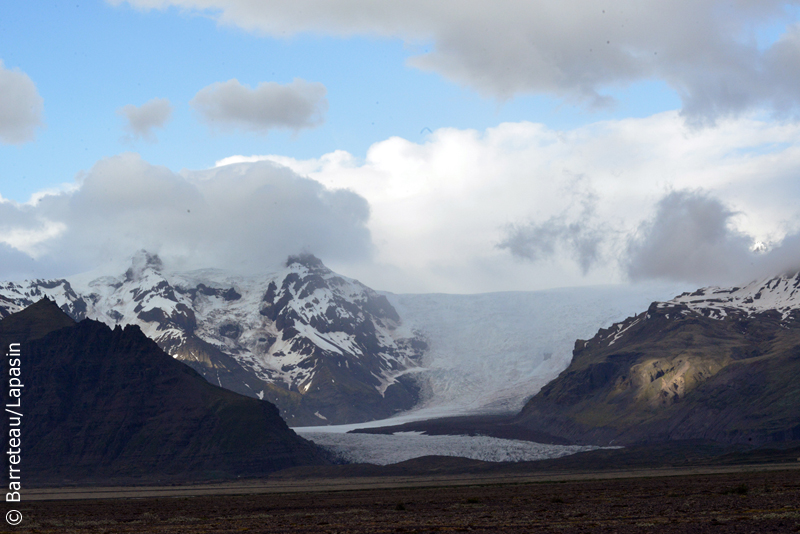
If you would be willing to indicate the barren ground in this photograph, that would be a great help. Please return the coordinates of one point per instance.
(747, 500)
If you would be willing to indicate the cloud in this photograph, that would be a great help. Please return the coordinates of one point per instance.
(20, 107)
(246, 217)
(785, 257)
(580, 236)
(293, 106)
(587, 204)
(562, 202)
(709, 51)
(142, 120)
(25, 230)
(691, 238)
(537, 242)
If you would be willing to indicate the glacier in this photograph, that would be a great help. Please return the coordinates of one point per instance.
(389, 449)
(489, 353)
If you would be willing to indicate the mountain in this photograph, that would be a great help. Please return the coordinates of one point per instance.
(101, 405)
(15, 297)
(716, 364)
(324, 348)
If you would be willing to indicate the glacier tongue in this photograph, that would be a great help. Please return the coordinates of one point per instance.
(491, 352)
(383, 450)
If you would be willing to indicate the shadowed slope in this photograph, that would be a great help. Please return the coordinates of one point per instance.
(103, 404)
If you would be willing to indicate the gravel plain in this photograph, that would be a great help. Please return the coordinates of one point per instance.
(743, 501)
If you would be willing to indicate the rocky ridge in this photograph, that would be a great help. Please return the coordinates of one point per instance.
(324, 348)
(718, 364)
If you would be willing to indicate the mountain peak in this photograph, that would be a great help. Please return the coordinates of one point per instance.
(307, 260)
(140, 262)
(35, 321)
(781, 293)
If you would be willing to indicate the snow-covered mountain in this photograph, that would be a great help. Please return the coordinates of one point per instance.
(16, 296)
(322, 347)
(779, 295)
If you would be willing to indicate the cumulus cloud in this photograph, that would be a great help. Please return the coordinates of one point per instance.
(428, 216)
(25, 230)
(293, 106)
(564, 202)
(691, 238)
(577, 50)
(246, 217)
(20, 107)
(142, 120)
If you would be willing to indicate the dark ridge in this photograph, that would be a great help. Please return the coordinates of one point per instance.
(674, 377)
(37, 321)
(105, 405)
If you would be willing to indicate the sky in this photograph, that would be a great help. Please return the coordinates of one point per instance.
(456, 146)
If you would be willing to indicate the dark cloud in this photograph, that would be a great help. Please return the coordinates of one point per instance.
(691, 239)
(581, 238)
(536, 242)
(246, 216)
(293, 106)
(782, 258)
(20, 107)
(142, 120)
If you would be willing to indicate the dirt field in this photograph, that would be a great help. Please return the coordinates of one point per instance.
(750, 501)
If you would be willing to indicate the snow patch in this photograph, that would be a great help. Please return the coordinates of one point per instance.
(781, 293)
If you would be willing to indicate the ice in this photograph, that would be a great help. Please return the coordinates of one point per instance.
(383, 449)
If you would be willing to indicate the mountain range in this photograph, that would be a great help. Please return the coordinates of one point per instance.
(715, 363)
(328, 350)
(322, 347)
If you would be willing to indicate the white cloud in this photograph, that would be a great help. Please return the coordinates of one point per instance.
(568, 200)
(246, 217)
(142, 120)
(707, 50)
(293, 106)
(25, 230)
(421, 217)
(20, 107)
